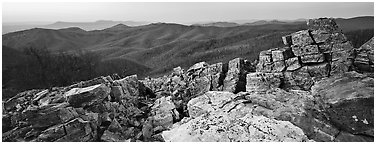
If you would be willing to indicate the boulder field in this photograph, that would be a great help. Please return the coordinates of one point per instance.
(317, 88)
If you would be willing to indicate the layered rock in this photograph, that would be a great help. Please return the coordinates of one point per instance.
(82, 97)
(109, 111)
(318, 52)
(199, 79)
(235, 80)
(263, 81)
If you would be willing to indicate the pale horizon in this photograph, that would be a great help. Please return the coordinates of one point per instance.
(183, 13)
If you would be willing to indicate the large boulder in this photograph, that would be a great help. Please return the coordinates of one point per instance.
(77, 130)
(216, 74)
(199, 85)
(49, 116)
(221, 126)
(115, 132)
(294, 106)
(301, 38)
(265, 63)
(81, 97)
(347, 100)
(235, 80)
(276, 104)
(164, 112)
(131, 86)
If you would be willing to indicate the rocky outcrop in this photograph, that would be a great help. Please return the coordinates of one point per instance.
(320, 51)
(109, 111)
(199, 79)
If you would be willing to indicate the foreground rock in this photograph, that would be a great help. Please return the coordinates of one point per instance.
(347, 101)
(108, 111)
(233, 124)
(209, 102)
(217, 114)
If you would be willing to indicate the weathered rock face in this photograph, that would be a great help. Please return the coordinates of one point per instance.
(364, 57)
(210, 101)
(347, 101)
(298, 79)
(235, 80)
(321, 51)
(164, 112)
(81, 97)
(100, 112)
(220, 117)
(131, 87)
(263, 81)
(221, 127)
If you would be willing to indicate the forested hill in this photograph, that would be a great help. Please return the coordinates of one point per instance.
(73, 54)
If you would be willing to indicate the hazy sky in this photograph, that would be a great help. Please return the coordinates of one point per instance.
(178, 12)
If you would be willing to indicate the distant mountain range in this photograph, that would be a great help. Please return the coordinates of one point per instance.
(88, 26)
(158, 46)
(249, 22)
(350, 24)
(98, 25)
(155, 49)
(218, 24)
(167, 44)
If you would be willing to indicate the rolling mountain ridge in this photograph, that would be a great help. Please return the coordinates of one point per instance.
(148, 44)
(151, 44)
(155, 49)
